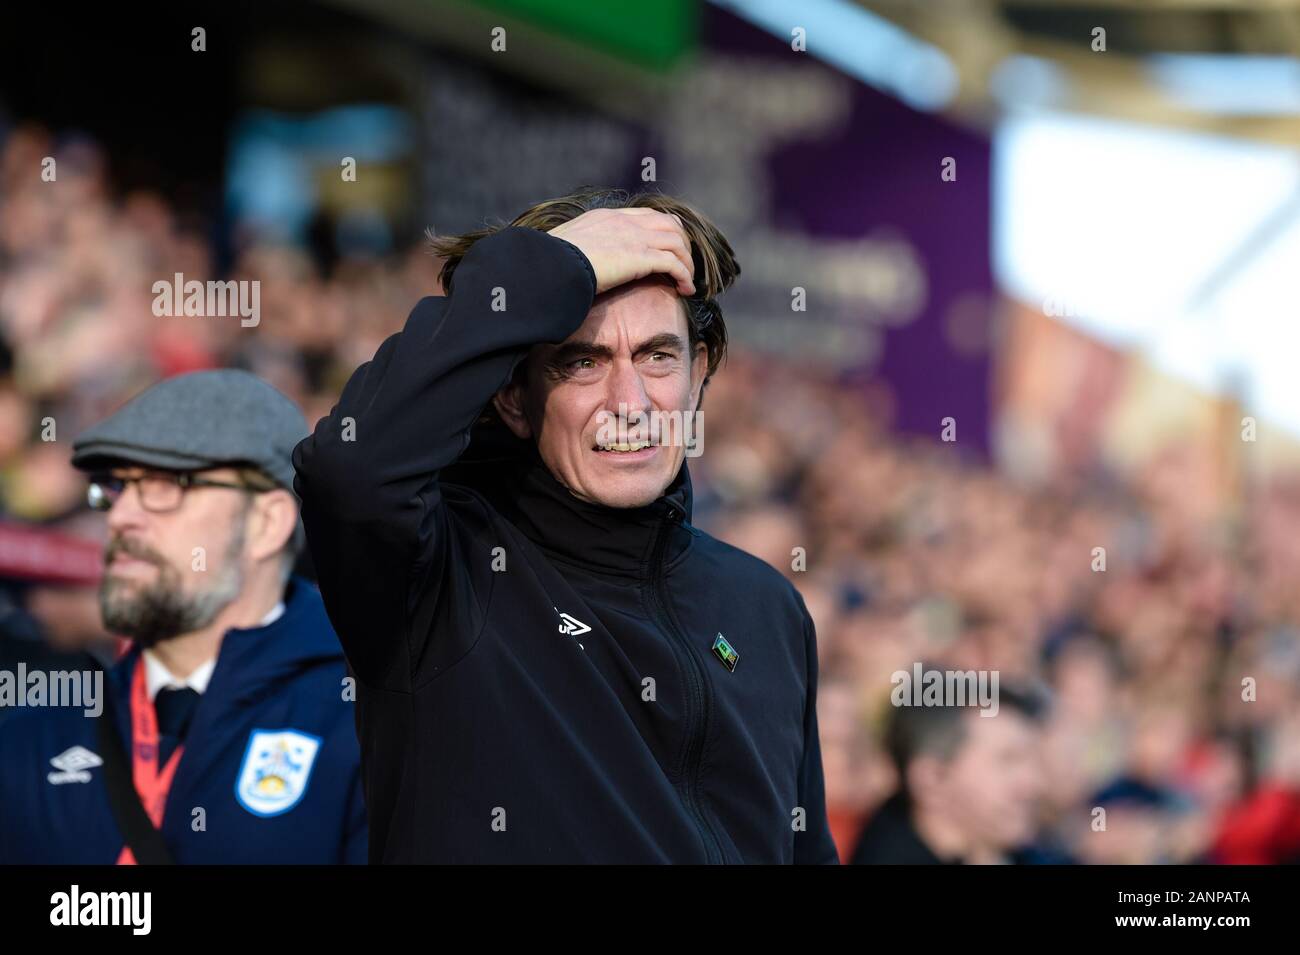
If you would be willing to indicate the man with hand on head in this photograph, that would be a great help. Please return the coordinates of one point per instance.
(226, 734)
(553, 665)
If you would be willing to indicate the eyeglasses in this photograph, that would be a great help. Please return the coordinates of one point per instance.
(159, 491)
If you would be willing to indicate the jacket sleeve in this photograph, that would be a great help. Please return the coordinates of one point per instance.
(813, 846)
(368, 474)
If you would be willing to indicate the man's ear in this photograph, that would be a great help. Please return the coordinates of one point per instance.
(276, 514)
(699, 370)
(509, 402)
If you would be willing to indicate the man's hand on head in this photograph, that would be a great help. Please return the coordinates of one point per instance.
(624, 245)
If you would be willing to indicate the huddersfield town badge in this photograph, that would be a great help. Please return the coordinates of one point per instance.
(275, 771)
(724, 652)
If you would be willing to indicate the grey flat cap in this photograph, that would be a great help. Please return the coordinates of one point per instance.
(199, 420)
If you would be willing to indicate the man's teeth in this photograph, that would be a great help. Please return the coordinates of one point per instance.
(634, 446)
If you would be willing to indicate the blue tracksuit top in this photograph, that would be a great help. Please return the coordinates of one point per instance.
(270, 771)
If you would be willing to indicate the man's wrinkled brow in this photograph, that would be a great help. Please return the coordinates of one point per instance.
(573, 351)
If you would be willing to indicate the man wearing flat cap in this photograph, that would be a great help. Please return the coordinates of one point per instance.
(226, 733)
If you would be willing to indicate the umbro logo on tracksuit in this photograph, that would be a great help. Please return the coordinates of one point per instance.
(572, 626)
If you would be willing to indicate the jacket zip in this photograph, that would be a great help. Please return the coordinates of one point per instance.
(699, 702)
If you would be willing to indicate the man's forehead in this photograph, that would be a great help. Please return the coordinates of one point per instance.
(1008, 727)
(640, 309)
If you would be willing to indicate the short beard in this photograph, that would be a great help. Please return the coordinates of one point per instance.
(163, 610)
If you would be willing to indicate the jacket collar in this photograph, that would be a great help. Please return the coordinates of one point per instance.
(618, 541)
(253, 664)
(251, 657)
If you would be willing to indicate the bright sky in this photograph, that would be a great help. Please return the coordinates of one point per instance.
(1124, 225)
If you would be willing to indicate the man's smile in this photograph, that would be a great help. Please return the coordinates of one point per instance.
(628, 453)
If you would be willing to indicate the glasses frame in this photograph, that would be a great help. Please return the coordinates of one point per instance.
(99, 500)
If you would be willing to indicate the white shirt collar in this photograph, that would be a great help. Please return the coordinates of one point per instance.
(157, 676)
(276, 612)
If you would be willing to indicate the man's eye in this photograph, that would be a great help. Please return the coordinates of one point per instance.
(582, 364)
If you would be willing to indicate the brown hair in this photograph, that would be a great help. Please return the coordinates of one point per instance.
(715, 263)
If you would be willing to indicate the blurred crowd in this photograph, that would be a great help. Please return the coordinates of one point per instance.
(1168, 679)
(78, 336)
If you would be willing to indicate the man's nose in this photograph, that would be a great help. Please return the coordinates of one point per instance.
(627, 392)
(126, 512)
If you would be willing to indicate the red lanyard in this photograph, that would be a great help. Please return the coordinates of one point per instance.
(152, 784)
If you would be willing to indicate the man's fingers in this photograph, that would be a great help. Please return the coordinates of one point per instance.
(670, 264)
(667, 221)
(624, 244)
(677, 244)
(671, 235)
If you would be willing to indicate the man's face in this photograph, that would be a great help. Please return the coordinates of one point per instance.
(156, 585)
(995, 781)
(631, 358)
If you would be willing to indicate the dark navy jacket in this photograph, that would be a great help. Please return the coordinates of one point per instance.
(536, 675)
(277, 692)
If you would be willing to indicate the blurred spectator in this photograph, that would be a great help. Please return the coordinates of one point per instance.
(970, 782)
